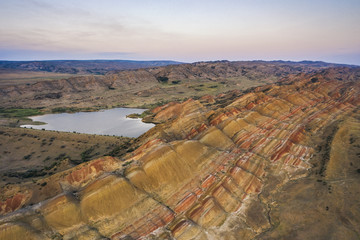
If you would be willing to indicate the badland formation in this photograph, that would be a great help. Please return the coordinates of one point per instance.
(240, 150)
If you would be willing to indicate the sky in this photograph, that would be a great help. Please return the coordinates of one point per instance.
(181, 30)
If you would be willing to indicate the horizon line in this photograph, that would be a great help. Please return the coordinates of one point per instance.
(182, 62)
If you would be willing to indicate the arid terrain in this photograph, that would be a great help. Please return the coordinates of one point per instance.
(28, 153)
(79, 66)
(149, 86)
(249, 150)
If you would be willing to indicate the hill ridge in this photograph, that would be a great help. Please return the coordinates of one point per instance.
(204, 166)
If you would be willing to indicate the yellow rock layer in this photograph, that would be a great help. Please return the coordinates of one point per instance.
(192, 171)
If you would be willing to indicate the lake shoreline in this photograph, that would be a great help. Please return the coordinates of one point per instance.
(101, 122)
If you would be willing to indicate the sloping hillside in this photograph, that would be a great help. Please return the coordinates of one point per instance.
(269, 163)
(151, 85)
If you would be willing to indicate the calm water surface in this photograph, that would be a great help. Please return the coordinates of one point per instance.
(106, 122)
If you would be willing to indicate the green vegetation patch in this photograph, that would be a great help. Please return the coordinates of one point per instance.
(119, 150)
(73, 109)
(87, 154)
(176, 82)
(154, 105)
(162, 79)
(133, 115)
(145, 113)
(65, 109)
(142, 115)
(19, 112)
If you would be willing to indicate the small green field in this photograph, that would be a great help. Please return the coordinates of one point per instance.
(19, 112)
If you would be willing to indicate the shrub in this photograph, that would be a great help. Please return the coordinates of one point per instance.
(314, 80)
(175, 82)
(61, 156)
(87, 154)
(162, 79)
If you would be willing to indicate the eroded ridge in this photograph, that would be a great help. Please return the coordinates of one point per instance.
(202, 165)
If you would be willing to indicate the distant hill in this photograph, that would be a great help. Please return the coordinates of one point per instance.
(314, 63)
(153, 85)
(81, 66)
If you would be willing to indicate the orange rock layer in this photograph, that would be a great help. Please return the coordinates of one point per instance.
(193, 171)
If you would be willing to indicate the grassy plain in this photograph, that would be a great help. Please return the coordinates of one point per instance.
(14, 77)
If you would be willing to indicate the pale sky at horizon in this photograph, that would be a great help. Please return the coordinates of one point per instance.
(182, 30)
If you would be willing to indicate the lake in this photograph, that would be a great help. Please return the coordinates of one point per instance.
(106, 122)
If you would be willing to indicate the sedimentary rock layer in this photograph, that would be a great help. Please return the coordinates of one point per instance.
(203, 164)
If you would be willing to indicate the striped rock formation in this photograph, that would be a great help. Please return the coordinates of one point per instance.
(196, 174)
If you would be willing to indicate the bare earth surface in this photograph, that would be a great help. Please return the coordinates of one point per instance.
(145, 87)
(279, 161)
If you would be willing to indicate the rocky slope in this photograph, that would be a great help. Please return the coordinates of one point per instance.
(212, 168)
(151, 85)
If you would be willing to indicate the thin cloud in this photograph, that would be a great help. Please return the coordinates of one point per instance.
(113, 55)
